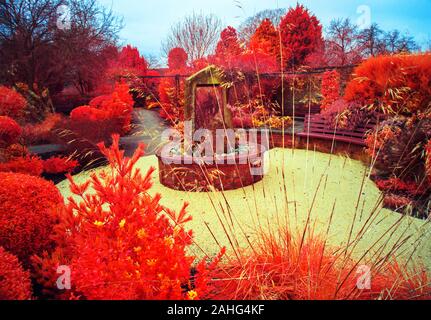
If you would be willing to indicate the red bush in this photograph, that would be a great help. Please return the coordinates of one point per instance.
(58, 165)
(10, 131)
(14, 281)
(41, 133)
(105, 116)
(28, 164)
(396, 202)
(397, 185)
(283, 267)
(393, 84)
(330, 88)
(119, 239)
(301, 36)
(27, 214)
(12, 104)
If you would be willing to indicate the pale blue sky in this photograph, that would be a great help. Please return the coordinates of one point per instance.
(147, 22)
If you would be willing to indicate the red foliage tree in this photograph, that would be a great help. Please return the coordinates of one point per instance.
(228, 45)
(266, 39)
(177, 60)
(27, 214)
(301, 35)
(330, 88)
(129, 61)
(12, 104)
(14, 280)
(393, 84)
(121, 243)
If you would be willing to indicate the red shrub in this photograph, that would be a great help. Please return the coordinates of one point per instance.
(330, 88)
(397, 185)
(395, 202)
(87, 113)
(301, 35)
(13, 151)
(282, 267)
(27, 214)
(41, 133)
(393, 84)
(171, 100)
(14, 281)
(10, 131)
(58, 165)
(30, 165)
(105, 116)
(119, 239)
(12, 104)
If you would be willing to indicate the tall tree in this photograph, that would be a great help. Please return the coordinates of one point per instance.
(247, 29)
(228, 45)
(396, 43)
(371, 42)
(301, 35)
(37, 49)
(197, 34)
(265, 39)
(342, 46)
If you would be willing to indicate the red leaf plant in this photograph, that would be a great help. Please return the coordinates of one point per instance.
(121, 243)
(330, 88)
(104, 116)
(59, 165)
(12, 104)
(28, 214)
(285, 267)
(10, 131)
(393, 84)
(395, 201)
(14, 280)
(410, 188)
(28, 164)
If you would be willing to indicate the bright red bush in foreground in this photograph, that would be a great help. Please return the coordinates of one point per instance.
(10, 131)
(58, 165)
(14, 281)
(282, 267)
(12, 104)
(330, 88)
(28, 164)
(27, 214)
(121, 243)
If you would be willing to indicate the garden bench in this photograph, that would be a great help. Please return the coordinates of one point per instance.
(315, 126)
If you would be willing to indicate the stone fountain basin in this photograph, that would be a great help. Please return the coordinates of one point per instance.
(220, 172)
